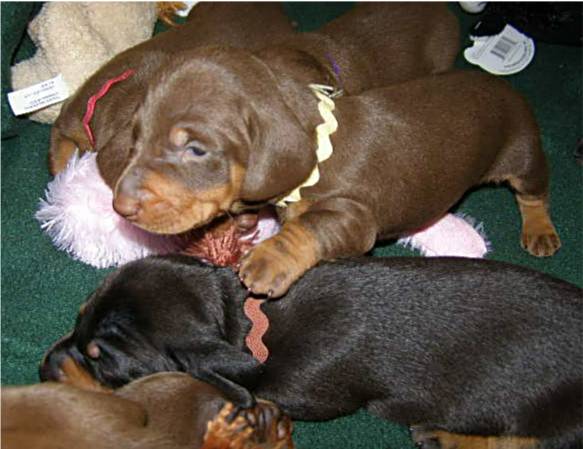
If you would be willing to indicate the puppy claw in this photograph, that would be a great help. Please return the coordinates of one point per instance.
(539, 236)
(261, 426)
(270, 274)
(271, 267)
(541, 245)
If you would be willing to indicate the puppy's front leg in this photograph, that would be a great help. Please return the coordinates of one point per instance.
(311, 232)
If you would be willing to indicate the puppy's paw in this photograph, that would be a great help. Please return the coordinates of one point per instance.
(275, 264)
(261, 427)
(168, 11)
(269, 425)
(226, 431)
(267, 271)
(539, 236)
(541, 243)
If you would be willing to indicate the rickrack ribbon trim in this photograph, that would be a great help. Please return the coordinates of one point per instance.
(324, 150)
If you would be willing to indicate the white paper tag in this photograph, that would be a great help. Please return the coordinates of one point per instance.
(506, 53)
(38, 96)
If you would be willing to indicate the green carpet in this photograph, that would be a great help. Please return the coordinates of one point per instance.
(43, 288)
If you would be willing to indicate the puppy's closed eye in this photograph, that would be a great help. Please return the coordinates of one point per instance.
(195, 150)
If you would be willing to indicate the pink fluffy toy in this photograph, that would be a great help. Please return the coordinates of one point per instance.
(77, 214)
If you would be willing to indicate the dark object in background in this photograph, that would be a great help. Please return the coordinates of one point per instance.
(550, 22)
(579, 152)
(15, 17)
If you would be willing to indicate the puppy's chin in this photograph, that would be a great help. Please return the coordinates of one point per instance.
(172, 221)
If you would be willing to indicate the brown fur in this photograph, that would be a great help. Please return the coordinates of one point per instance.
(403, 155)
(162, 411)
(236, 24)
(423, 38)
(446, 440)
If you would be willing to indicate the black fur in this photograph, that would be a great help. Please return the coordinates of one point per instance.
(467, 346)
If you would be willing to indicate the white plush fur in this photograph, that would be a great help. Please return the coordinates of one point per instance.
(78, 216)
(453, 235)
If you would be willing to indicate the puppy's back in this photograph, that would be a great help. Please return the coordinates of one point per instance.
(456, 332)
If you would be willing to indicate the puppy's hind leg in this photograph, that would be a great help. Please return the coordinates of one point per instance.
(439, 439)
(539, 236)
(524, 166)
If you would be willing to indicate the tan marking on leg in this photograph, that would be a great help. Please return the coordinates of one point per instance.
(539, 236)
(459, 441)
(272, 266)
(294, 210)
(75, 375)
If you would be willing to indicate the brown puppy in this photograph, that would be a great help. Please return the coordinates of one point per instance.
(373, 45)
(236, 24)
(162, 411)
(222, 129)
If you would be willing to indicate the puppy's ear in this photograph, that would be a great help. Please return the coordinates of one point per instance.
(113, 157)
(229, 369)
(282, 153)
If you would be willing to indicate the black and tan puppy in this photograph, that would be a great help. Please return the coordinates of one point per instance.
(461, 347)
(161, 411)
(239, 24)
(224, 129)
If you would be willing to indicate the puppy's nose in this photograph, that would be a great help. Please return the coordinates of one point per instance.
(50, 368)
(127, 206)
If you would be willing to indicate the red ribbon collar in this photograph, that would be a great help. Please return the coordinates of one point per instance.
(93, 100)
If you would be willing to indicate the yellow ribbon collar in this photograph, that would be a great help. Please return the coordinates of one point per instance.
(324, 150)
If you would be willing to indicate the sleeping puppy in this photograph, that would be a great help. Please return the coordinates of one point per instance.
(473, 352)
(220, 131)
(414, 39)
(161, 411)
(237, 24)
(373, 45)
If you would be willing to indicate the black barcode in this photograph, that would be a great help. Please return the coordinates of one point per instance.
(502, 47)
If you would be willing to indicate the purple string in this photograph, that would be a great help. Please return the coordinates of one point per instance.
(336, 69)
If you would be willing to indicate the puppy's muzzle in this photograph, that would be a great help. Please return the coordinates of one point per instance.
(127, 206)
(51, 365)
(60, 365)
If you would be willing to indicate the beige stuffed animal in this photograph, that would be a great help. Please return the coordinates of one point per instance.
(75, 38)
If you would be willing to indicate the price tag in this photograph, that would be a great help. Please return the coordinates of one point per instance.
(506, 53)
(38, 96)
